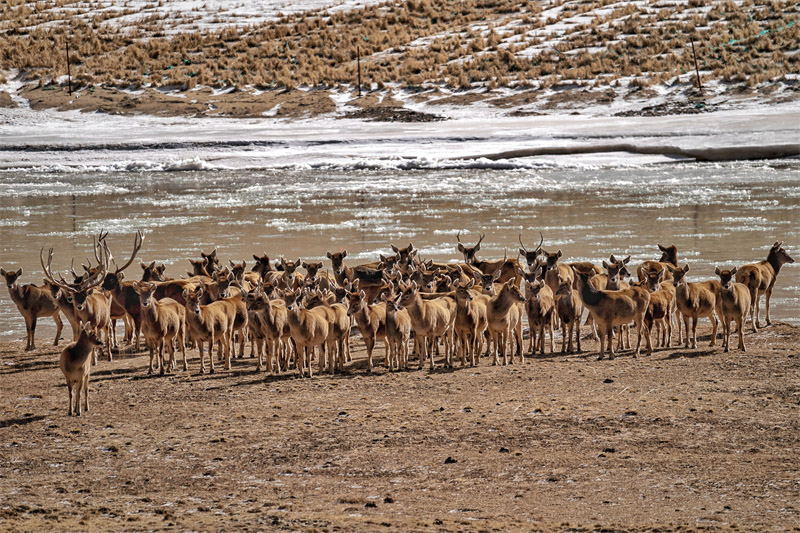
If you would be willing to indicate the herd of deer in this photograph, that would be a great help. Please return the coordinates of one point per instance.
(467, 307)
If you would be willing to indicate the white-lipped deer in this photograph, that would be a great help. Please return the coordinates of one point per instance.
(759, 278)
(614, 308)
(509, 268)
(91, 307)
(733, 303)
(33, 302)
(163, 324)
(695, 301)
(76, 367)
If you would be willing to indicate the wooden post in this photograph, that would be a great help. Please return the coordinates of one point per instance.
(696, 68)
(358, 62)
(69, 74)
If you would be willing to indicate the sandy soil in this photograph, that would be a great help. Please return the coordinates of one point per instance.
(692, 438)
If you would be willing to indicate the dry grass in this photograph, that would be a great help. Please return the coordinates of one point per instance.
(459, 43)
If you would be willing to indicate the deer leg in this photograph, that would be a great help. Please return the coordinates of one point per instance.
(78, 389)
(602, 334)
(59, 327)
(86, 392)
(578, 335)
(768, 296)
(69, 391)
(30, 328)
(611, 354)
(370, 342)
(740, 321)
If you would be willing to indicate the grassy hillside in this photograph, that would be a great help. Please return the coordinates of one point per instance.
(457, 45)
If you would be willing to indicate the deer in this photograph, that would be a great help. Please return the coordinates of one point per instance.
(662, 301)
(371, 322)
(504, 322)
(163, 324)
(310, 328)
(669, 257)
(321, 279)
(759, 278)
(271, 318)
(539, 307)
(531, 256)
(611, 280)
(212, 323)
(695, 301)
(470, 321)
(568, 307)
(153, 272)
(508, 267)
(614, 308)
(371, 279)
(122, 292)
(430, 319)
(398, 332)
(339, 329)
(733, 303)
(76, 367)
(33, 302)
(90, 307)
(262, 265)
(65, 307)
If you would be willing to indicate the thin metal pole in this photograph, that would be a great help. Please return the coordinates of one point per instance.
(358, 61)
(69, 74)
(696, 68)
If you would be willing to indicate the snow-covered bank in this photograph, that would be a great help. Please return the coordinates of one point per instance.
(95, 141)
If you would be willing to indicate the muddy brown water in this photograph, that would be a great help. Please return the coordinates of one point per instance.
(716, 214)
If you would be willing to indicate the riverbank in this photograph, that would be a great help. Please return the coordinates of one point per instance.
(690, 439)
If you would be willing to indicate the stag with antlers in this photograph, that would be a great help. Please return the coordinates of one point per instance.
(91, 307)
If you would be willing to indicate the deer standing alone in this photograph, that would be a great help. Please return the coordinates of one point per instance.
(759, 278)
(33, 302)
(76, 367)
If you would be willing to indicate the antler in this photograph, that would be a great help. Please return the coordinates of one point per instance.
(458, 236)
(520, 243)
(102, 254)
(137, 245)
(541, 241)
(49, 274)
(481, 239)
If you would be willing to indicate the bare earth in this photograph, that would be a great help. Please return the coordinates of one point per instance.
(695, 439)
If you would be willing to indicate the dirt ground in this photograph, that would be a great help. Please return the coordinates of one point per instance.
(680, 439)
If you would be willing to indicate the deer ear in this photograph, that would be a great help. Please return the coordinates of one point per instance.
(662, 248)
(199, 290)
(627, 260)
(612, 259)
(686, 268)
(328, 255)
(496, 274)
(606, 265)
(395, 249)
(733, 271)
(470, 283)
(717, 271)
(660, 275)
(413, 285)
(559, 254)
(344, 253)
(460, 248)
